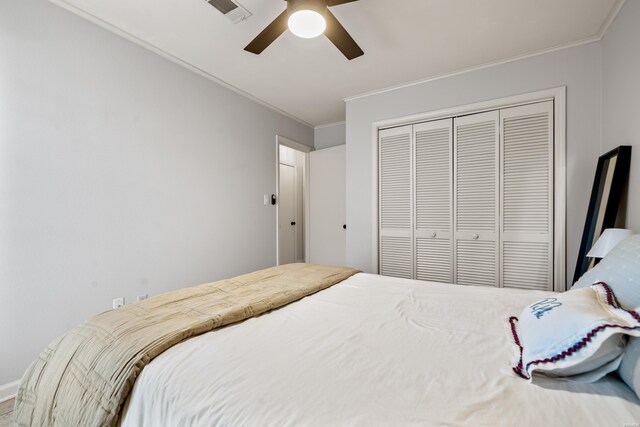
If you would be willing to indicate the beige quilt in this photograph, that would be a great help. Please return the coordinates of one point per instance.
(84, 377)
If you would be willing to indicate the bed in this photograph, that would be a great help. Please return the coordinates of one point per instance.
(368, 351)
(305, 344)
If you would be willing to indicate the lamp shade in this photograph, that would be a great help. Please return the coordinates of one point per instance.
(607, 241)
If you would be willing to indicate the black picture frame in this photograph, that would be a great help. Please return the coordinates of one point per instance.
(612, 174)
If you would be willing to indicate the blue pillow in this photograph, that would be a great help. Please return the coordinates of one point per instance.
(620, 269)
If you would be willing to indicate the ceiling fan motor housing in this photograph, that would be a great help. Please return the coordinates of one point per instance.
(294, 6)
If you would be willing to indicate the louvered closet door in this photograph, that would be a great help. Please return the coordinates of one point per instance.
(527, 197)
(476, 199)
(396, 202)
(433, 201)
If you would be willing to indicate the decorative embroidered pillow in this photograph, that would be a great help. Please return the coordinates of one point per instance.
(579, 334)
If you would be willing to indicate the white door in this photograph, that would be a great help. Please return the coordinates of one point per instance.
(433, 201)
(396, 202)
(476, 199)
(287, 215)
(327, 217)
(526, 232)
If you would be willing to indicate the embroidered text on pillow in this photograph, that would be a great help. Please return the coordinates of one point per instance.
(522, 370)
(547, 304)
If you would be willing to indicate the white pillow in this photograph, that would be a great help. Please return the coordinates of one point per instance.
(579, 334)
(620, 269)
(629, 369)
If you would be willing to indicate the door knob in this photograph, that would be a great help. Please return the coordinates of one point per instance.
(433, 234)
(344, 226)
(475, 236)
(293, 223)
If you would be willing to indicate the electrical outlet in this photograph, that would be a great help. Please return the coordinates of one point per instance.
(118, 302)
(143, 297)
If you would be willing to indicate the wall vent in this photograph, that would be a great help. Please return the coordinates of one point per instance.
(231, 9)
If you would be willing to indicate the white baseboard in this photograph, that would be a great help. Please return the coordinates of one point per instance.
(8, 391)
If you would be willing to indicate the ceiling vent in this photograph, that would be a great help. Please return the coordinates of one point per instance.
(231, 9)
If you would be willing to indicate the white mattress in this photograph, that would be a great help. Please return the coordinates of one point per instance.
(369, 351)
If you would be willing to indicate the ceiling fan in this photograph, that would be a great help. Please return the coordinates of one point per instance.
(308, 19)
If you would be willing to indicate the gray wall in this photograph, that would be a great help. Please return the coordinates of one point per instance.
(120, 174)
(330, 136)
(577, 68)
(621, 99)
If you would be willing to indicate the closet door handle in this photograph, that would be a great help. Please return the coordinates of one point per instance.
(475, 236)
(344, 226)
(293, 223)
(433, 234)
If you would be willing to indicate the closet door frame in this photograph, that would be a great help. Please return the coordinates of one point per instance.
(558, 96)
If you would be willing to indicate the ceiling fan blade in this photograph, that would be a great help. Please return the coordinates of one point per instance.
(268, 35)
(341, 38)
(338, 2)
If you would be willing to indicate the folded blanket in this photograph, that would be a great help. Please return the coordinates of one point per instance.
(84, 377)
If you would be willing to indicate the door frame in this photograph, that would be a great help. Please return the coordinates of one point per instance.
(286, 142)
(559, 96)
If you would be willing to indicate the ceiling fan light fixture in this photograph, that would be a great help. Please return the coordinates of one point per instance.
(307, 23)
(308, 19)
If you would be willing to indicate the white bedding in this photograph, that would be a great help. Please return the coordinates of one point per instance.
(369, 351)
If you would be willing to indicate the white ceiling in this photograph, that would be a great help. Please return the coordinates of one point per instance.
(403, 40)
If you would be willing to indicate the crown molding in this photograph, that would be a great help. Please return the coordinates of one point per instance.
(474, 68)
(132, 38)
(330, 125)
(613, 14)
(606, 25)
